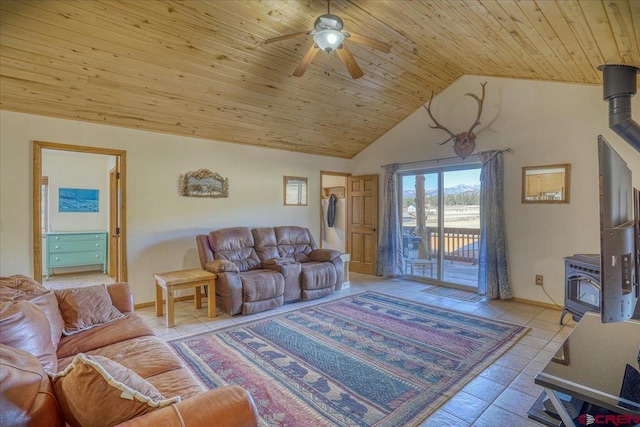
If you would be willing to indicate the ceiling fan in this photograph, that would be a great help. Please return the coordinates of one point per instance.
(328, 36)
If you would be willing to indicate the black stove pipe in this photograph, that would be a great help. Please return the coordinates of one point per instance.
(618, 88)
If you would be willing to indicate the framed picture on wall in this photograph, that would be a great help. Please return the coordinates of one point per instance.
(78, 200)
(546, 184)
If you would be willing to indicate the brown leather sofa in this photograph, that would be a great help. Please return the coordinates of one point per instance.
(28, 350)
(261, 268)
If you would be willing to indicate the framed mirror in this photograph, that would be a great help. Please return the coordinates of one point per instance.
(546, 184)
(295, 191)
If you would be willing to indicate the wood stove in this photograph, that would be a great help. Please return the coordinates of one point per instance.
(582, 285)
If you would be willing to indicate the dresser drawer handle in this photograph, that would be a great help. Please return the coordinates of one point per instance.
(57, 237)
(57, 259)
(97, 256)
(97, 245)
(57, 247)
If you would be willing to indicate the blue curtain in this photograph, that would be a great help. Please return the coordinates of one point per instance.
(390, 244)
(493, 279)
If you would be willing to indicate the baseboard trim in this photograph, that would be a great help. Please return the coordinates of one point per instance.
(538, 303)
(153, 303)
(346, 285)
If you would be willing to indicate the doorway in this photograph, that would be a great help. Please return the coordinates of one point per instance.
(333, 215)
(362, 223)
(441, 224)
(50, 201)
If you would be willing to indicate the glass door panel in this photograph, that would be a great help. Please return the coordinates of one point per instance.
(441, 209)
(461, 214)
(420, 217)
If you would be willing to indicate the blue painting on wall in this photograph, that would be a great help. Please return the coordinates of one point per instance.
(77, 200)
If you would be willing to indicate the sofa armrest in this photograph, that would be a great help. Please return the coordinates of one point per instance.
(221, 266)
(204, 249)
(323, 255)
(230, 406)
(121, 296)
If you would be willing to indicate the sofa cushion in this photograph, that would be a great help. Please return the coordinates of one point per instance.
(86, 307)
(27, 395)
(262, 290)
(177, 382)
(294, 242)
(236, 245)
(261, 285)
(49, 305)
(128, 327)
(134, 354)
(19, 287)
(266, 243)
(25, 326)
(96, 391)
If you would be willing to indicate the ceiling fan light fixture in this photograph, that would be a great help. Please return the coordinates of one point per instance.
(328, 40)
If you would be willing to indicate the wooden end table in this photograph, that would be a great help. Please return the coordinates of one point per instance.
(184, 279)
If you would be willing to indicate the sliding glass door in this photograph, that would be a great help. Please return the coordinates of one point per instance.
(441, 224)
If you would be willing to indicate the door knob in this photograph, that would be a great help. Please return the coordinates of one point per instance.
(373, 229)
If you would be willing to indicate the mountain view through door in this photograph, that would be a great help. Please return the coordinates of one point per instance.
(441, 225)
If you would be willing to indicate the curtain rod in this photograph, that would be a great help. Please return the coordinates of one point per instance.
(507, 150)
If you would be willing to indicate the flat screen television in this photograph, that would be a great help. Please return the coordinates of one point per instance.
(619, 240)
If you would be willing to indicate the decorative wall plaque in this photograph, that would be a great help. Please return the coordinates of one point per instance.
(203, 183)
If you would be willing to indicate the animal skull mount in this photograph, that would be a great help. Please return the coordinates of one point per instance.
(465, 142)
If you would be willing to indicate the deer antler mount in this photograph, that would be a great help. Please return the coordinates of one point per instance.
(465, 142)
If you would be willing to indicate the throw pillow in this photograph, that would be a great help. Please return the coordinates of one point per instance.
(19, 287)
(97, 391)
(85, 308)
(25, 326)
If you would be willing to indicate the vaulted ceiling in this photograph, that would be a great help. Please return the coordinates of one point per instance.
(201, 68)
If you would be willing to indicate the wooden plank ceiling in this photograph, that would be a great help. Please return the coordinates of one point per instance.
(200, 68)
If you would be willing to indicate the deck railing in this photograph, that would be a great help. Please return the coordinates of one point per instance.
(460, 244)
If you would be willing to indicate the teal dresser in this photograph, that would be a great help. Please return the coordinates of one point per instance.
(71, 249)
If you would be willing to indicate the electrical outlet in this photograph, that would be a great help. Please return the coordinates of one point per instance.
(539, 280)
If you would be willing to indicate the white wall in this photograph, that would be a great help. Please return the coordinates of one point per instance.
(544, 123)
(161, 225)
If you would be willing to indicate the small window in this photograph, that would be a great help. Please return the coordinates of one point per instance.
(295, 191)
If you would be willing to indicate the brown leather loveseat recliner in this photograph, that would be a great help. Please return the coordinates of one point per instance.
(261, 268)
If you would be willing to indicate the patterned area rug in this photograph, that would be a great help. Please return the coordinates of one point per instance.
(364, 360)
(442, 291)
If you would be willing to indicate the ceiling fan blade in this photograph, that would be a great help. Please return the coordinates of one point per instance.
(370, 42)
(308, 57)
(349, 61)
(286, 37)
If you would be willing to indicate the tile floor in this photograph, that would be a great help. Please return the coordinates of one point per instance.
(500, 396)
